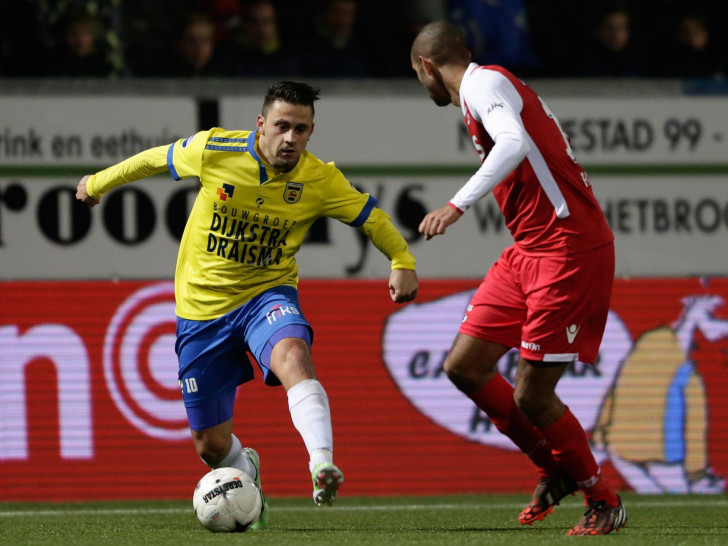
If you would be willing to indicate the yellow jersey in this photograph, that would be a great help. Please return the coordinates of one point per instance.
(249, 220)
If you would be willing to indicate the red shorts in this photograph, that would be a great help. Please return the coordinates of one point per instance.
(554, 308)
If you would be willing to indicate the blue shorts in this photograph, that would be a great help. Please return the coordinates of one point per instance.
(213, 354)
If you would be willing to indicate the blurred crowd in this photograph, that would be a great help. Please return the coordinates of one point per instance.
(358, 38)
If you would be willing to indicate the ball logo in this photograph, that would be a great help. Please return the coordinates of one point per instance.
(140, 365)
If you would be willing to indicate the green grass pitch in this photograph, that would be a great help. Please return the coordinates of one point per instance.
(391, 521)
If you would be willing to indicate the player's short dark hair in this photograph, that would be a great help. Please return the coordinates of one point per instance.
(443, 42)
(292, 93)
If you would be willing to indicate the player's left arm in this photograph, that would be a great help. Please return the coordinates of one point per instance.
(403, 283)
(347, 204)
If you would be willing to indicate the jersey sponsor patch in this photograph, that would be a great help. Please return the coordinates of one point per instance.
(226, 191)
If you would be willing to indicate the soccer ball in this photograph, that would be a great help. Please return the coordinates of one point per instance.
(226, 500)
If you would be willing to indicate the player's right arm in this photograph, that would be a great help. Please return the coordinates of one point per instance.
(144, 164)
(182, 159)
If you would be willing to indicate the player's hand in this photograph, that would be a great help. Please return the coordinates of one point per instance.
(437, 221)
(403, 285)
(82, 194)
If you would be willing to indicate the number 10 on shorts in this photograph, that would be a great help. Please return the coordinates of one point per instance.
(190, 385)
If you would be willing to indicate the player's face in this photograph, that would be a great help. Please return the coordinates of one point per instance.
(284, 133)
(433, 83)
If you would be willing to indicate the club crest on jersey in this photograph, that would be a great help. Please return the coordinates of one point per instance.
(293, 192)
(226, 191)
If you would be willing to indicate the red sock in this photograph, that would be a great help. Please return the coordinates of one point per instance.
(495, 398)
(571, 450)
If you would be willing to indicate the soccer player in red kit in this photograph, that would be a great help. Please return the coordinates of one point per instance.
(548, 294)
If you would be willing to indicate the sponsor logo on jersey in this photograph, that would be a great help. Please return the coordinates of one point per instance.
(277, 311)
(226, 191)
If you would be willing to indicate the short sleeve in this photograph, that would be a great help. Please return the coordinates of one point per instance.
(184, 157)
(346, 203)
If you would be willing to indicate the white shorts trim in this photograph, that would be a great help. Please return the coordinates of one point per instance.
(563, 357)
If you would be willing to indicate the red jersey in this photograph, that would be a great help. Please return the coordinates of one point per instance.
(545, 197)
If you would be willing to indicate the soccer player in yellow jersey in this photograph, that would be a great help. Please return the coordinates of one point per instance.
(236, 277)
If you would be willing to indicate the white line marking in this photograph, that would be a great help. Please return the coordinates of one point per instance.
(697, 503)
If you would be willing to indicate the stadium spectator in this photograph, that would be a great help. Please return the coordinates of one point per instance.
(349, 38)
(548, 294)
(255, 48)
(611, 51)
(193, 54)
(80, 50)
(691, 51)
(236, 289)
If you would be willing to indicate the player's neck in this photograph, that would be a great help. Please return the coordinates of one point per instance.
(452, 77)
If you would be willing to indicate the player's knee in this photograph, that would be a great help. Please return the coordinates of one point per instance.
(291, 362)
(465, 377)
(527, 405)
(212, 448)
(451, 369)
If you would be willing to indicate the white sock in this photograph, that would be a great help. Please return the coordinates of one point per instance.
(309, 407)
(237, 459)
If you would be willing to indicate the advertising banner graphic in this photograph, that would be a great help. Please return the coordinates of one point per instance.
(665, 226)
(90, 404)
(351, 127)
(95, 130)
(617, 131)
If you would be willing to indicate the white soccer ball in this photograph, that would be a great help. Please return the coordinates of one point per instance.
(226, 500)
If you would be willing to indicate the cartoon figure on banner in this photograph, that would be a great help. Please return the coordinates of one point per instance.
(667, 453)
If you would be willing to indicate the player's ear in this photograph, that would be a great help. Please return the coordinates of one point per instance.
(426, 64)
(312, 126)
(260, 122)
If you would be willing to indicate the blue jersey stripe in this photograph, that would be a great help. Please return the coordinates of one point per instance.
(248, 146)
(227, 148)
(221, 148)
(220, 139)
(365, 212)
(170, 163)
